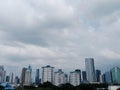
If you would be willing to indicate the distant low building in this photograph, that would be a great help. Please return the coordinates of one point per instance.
(113, 87)
(7, 86)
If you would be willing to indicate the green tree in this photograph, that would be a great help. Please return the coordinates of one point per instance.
(118, 89)
(1, 88)
(67, 87)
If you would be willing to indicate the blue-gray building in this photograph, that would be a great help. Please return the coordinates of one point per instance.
(107, 77)
(84, 77)
(17, 80)
(115, 72)
(30, 68)
(37, 77)
(90, 70)
(98, 73)
(7, 78)
(7, 86)
(2, 74)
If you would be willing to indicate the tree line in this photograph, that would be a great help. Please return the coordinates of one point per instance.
(50, 86)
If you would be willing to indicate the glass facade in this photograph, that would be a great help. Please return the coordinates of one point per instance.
(84, 78)
(90, 70)
(37, 77)
(107, 77)
(115, 75)
(98, 73)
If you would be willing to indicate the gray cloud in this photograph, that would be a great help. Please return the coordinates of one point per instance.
(59, 32)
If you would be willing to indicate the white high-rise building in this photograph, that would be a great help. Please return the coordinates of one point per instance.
(28, 76)
(60, 78)
(90, 70)
(2, 74)
(47, 74)
(75, 77)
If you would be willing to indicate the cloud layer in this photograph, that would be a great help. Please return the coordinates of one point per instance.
(60, 33)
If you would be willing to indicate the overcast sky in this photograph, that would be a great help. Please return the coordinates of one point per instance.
(61, 33)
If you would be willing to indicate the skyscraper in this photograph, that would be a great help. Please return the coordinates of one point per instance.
(23, 75)
(90, 70)
(11, 78)
(107, 78)
(115, 72)
(47, 74)
(16, 80)
(28, 76)
(84, 77)
(98, 73)
(7, 78)
(59, 78)
(75, 77)
(2, 74)
(37, 77)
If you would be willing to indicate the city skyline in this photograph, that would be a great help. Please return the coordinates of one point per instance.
(94, 68)
(89, 69)
(49, 74)
(59, 32)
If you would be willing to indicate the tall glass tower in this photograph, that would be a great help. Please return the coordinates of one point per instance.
(90, 70)
(37, 77)
(2, 74)
(115, 75)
